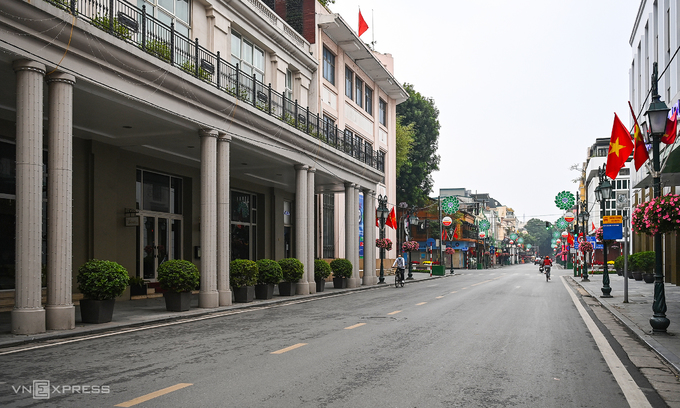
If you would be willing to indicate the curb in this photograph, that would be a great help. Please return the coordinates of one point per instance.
(665, 354)
(192, 313)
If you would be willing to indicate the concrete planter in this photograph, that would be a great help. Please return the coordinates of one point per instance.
(177, 302)
(339, 283)
(287, 288)
(648, 277)
(264, 291)
(96, 311)
(320, 285)
(244, 294)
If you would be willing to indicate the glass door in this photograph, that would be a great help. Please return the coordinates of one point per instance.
(160, 240)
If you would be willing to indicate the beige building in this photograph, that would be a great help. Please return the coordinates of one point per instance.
(184, 130)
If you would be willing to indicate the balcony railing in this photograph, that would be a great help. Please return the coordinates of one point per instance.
(135, 26)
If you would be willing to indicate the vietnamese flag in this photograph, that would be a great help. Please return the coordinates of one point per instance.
(671, 129)
(392, 220)
(570, 239)
(362, 24)
(620, 148)
(640, 155)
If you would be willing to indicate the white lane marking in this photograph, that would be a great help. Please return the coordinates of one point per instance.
(632, 393)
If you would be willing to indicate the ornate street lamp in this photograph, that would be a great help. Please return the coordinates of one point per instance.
(603, 193)
(383, 213)
(583, 216)
(413, 220)
(657, 114)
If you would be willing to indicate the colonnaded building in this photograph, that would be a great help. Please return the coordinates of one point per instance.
(183, 129)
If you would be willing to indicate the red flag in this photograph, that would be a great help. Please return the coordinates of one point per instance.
(620, 148)
(443, 235)
(640, 155)
(377, 222)
(593, 224)
(570, 239)
(362, 24)
(392, 220)
(671, 129)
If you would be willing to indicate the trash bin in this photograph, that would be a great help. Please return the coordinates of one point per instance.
(438, 270)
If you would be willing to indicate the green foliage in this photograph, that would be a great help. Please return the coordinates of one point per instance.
(405, 137)
(136, 281)
(269, 271)
(618, 263)
(642, 261)
(101, 21)
(62, 4)
(414, 183)
(159, 49)
(325, 3)
(189, 67)
(243, 272)
(322, 269)
(102, 280)
(292, 269)
(538, 236)
(177, 275)
(342, 268)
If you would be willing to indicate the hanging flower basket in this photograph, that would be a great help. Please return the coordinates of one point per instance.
(585, 246)
(410, 246)
(449, 251)
(660, 215)
(384, 243)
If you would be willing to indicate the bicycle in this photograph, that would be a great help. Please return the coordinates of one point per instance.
(547, 273)
(399, 278)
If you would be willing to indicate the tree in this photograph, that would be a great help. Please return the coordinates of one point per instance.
(414, 182)
(405, 136)
(539, 235)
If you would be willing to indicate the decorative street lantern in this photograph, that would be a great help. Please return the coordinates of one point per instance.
(569, 217)
(482, 234)
(558, 241)
(565, 234)
(447, 221)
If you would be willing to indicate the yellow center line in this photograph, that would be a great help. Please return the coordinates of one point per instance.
(481, 282)
(455, 291)
(293, 347)
(355, 326)
(420, 304)
(395, 312)
(153, 395)
(463, 288)
(439, 297)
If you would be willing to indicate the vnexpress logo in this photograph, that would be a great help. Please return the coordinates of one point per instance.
(41, 389)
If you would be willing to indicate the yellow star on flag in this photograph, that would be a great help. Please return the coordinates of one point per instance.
(615, 147)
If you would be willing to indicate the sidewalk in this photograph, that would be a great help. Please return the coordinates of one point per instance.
(636, 313)
(144, 312)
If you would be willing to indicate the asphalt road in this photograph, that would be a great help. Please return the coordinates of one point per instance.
(491, 338)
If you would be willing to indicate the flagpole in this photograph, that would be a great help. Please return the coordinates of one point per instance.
(372, 31)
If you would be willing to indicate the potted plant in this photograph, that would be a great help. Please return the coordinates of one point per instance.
(646, 261)
(634, 264)
(292, 272)
(618, 265)
(178, 277)
(137, 286)
(342, 270)
(658, 215)
(243, 277)
(269, 274)
(100, 282)
(322, 270)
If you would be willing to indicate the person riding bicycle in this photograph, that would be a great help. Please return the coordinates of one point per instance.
(547, 261)
(400, 264)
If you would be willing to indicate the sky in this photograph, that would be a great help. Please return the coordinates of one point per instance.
(523, 87)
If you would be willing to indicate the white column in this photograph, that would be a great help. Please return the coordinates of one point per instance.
(223, 213)
(301, 234)
(28, 316)
(60, 312)
(357, 272)
(369, 238)
(208, 296)
(349, 230)
(311, 231)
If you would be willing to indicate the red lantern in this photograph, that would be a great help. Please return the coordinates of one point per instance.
(447, 221)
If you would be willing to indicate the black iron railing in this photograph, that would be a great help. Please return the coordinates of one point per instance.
(134, 25)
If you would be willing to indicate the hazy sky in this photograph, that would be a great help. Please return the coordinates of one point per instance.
(523, 87)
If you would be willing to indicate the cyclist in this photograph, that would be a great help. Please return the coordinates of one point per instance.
(547, 263)
(400, 264)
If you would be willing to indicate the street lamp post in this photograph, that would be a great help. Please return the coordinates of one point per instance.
(583, 215)
(602, 193)
(657, 115)
(413, 220)
(383, 213)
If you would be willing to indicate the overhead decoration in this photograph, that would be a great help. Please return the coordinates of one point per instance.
(520, 241)
(556, 234)
(561, 224)
(513, 236)
(450, 205)
(565, 200)
(484, 225)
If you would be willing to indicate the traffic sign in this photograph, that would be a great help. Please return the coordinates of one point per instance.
(612, 219)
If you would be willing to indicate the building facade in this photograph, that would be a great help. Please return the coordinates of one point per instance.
(655, 38)
(177, 130)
